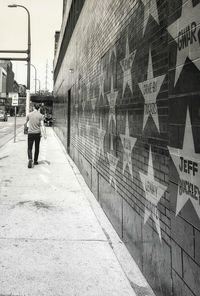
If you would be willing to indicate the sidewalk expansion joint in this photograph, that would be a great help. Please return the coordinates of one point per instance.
(53, 239)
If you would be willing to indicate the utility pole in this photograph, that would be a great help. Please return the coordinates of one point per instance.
(28, 52)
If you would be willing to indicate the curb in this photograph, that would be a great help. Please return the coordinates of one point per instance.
(11, 137)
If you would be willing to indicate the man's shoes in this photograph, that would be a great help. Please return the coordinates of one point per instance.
(30, 163)
(36, 162)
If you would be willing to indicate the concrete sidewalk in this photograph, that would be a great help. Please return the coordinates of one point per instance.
(54, 237)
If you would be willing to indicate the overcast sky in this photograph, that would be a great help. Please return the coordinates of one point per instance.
(46, 18)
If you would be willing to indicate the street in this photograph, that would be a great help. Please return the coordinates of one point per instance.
(7, 129)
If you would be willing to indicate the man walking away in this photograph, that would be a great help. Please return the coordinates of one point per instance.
(36, 126)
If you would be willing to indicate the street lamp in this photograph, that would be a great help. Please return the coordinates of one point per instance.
(28, 56)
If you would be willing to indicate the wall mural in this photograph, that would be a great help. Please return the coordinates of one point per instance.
(93, 103)
(112, 97)
(112, 158)
(126, 65)
(128, 143)
(187, 46)
(140, 144)
(150, 90)
(101, 135)
(153, 191)
(187, 163)
(186, 32)
(101, 83)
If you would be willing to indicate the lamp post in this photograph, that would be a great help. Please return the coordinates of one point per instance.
(28, 56)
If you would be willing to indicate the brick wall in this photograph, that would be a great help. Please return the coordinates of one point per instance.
(133, 69)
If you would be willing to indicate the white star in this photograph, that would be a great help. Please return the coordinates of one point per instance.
(101, 134)
(185, 32)
(112, 51)
(187, 163)
(154, 191)
(128, 143)
(93, 103)
(79, 93)
(112, 97)
(76, 107)
(101, 83)
(150, 8)
(83, 106)
(150, 89)
(126, 65)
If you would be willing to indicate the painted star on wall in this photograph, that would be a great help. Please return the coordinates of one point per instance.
(112, 97)
(150, 8)
(187, 163)
(185, 32)
(150, 89)
(128, 143)
(112, 51)
(153, 191)
(93, 103)
(83, 106)
(101, 135)
(76, 107)
(126, 65)
(101, 83)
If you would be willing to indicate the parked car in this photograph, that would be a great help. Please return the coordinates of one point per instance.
(3, 115)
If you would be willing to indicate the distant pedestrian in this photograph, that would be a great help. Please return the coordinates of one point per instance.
(35, 121)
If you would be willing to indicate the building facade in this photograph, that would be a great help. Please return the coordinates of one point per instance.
(127, 109)
(9, 85)
(8, 76)
(3, 78)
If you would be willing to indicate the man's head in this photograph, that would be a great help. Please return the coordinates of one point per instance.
(37, 106)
